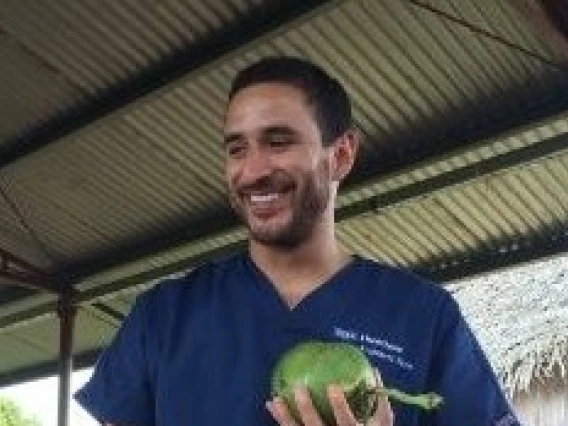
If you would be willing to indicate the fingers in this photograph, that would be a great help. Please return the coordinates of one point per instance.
(306, 409)
(340, 407)
(279, 411)
(384, 414)
(343, 415)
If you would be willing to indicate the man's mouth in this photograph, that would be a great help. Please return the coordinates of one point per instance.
(260, 199)
(266, 204)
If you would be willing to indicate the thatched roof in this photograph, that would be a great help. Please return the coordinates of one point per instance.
(521, 318)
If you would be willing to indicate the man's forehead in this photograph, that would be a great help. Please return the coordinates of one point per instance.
(266, 102)
(272, 86)
(267, 93)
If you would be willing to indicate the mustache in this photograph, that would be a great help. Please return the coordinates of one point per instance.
(273, 183)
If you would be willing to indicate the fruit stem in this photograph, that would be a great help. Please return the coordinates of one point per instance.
(426, 401)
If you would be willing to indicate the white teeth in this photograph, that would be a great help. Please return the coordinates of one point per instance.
(265, 198)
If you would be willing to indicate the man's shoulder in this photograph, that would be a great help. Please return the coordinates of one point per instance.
(203, 277)
(403, 280)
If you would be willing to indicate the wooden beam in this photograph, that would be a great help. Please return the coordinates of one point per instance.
(24, 274)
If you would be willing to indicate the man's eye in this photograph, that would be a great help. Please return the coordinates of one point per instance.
(234, 149)
(279, 140)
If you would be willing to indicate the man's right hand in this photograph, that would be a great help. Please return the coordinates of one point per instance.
(343, 416)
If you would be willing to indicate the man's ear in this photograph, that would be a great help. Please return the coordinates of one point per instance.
(345, 150)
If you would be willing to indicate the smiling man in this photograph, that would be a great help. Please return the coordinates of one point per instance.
(277, 168)
(200, 350)
(283, 178)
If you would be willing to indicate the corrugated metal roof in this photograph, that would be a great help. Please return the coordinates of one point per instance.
(439, 229)
(148, 177)
(496, 213)
(39, 339)
(464, 160)
(63, 55)
(439, 226)
(496, 19)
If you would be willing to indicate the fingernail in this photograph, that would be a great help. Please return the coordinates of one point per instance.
(272, 406)
(276, 402)
(300, 391)
(334, 391)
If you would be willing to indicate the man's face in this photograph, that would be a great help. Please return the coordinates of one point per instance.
(278, 172)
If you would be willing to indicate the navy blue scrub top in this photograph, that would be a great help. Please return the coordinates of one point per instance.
(199, 350)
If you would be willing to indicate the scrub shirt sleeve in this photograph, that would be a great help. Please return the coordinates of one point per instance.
(119, 391)
(461, 373)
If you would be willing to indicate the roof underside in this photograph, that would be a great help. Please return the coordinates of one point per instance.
(111, 162)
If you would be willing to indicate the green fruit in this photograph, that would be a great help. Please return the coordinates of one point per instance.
(318, 364)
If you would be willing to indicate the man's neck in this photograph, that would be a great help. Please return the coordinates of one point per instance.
(297, 272)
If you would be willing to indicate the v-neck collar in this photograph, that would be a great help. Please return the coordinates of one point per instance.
(277, 305)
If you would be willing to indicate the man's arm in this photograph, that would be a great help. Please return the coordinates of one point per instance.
(118, 390)
(461, 369)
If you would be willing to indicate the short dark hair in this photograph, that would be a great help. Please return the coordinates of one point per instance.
(324, 94)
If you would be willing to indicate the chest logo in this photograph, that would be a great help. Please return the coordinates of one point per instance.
(375, 347)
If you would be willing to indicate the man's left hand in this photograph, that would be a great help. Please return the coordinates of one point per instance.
(343, 415)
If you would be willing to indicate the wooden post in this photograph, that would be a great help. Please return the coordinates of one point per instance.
(67, 311)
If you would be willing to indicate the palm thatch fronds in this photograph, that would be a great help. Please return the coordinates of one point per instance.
(521, 318)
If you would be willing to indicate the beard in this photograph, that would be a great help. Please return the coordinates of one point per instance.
(308, 199)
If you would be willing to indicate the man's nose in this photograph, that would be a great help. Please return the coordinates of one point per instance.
(256, 165)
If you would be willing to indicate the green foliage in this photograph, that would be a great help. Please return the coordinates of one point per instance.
(11, 414)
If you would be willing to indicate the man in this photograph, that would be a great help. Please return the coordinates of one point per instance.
(199, 351)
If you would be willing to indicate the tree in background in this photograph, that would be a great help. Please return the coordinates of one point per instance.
(11, 414)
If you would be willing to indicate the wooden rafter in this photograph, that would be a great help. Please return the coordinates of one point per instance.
(25, 274)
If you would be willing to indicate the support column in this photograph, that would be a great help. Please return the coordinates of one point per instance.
(66, 311)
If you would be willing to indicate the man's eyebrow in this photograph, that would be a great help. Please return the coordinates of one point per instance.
(270, 130)
(281, 130)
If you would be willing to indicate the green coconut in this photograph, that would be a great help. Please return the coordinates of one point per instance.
(317, 364)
